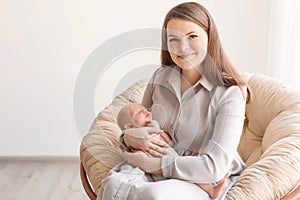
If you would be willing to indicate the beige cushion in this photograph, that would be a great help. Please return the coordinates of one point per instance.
(270, 143)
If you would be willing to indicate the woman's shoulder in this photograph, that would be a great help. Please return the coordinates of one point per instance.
(234, 91)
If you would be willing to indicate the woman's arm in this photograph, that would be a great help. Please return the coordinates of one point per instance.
(146, 163)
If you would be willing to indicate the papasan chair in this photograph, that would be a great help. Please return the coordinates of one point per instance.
(270, 143)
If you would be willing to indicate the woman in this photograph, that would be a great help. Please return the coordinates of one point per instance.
(199, 100)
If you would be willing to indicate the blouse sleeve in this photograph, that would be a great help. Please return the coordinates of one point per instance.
(212, 165)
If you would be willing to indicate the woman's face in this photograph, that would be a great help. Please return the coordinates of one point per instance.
(187, 43)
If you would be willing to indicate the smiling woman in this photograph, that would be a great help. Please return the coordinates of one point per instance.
(187, 43)
(203, 99)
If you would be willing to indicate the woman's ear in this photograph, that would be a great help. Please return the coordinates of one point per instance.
(127, 126)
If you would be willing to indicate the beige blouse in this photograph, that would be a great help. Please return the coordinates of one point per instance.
(205, 122)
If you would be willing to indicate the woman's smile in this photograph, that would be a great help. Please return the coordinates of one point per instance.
(187, 43)
(186, 56)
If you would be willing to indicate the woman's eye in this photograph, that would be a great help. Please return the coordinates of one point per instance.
(193, 36)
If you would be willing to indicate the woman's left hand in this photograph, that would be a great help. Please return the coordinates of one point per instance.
(147, 163)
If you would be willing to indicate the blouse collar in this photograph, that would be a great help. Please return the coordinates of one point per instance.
(175, 74)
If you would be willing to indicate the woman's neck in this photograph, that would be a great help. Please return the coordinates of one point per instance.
(191, 75)
(189, 78)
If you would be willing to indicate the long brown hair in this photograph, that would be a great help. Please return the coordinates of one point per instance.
(216, 65)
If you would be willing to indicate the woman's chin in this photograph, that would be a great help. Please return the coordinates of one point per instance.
(186, 66)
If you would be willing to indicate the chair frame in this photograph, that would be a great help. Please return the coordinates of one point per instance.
(86, 183)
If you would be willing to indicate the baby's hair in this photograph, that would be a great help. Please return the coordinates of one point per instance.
(123, 117)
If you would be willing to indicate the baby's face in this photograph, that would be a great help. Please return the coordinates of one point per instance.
(139, 115)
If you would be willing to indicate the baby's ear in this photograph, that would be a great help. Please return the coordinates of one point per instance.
(127, 126)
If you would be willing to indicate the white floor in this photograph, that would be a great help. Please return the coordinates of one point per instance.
(40, 179)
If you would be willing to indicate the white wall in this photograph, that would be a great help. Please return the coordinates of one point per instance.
(43, 45)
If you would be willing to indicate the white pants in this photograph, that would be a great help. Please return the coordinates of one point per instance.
(167, 189)
(125, 182)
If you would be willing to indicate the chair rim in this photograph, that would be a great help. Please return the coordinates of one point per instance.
(86, 183)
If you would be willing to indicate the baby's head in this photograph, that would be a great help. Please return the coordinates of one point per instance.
(133, 115)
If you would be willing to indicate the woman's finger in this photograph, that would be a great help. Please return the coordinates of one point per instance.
(154, 153)
(158, 149)
(159, 142)
(167, 138)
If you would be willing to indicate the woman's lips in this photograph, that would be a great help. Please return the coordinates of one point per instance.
(185, 56)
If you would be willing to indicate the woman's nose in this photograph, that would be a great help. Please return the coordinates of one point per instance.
(184, 44)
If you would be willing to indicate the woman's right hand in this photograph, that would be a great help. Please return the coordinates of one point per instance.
(146, 139)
